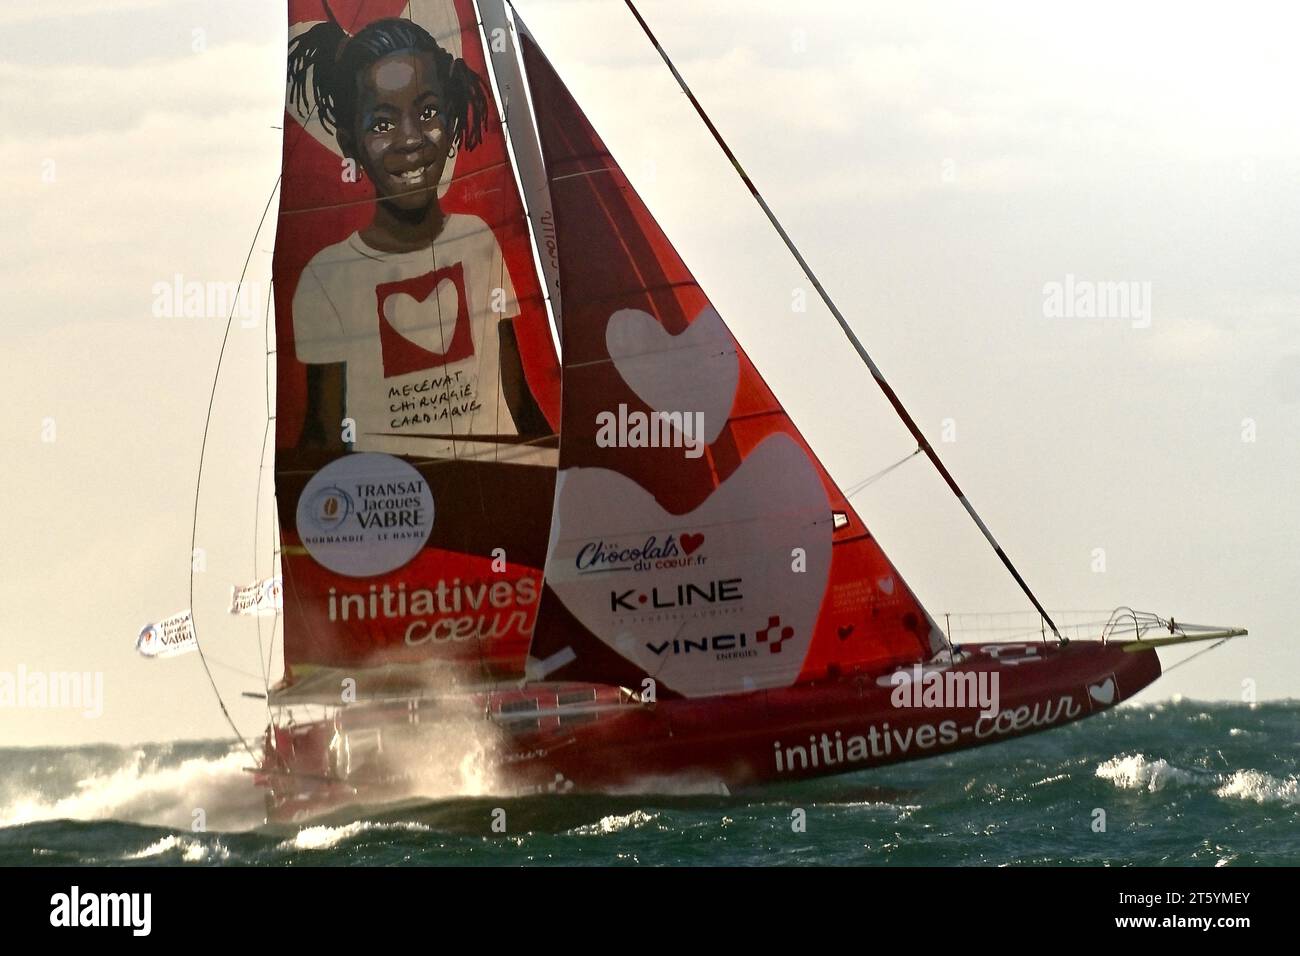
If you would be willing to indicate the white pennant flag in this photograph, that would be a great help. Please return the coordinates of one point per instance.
(169, 637)
(264, 597)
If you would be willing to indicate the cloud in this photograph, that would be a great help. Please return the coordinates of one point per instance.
(168, 174)
(22, 12)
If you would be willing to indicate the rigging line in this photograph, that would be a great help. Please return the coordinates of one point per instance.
(266, 362)
(257, 514)
(845, 327)
(1188, 660)
(236, 670)
(198, 481)
(269, 667)
(436, 231)
(261, 467)
(267, 663)
(1100, 612)
(865, 483)
(270, 650)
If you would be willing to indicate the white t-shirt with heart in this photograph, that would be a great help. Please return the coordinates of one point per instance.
(418, 334)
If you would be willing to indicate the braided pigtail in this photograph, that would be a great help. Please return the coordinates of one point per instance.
(316, 53)
(469, 105)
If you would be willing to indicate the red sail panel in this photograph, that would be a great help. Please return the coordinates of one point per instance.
(417, 381)
(696, 539)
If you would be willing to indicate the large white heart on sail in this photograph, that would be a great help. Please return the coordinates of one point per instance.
(708, 602)
(696, 370)
(430, 324)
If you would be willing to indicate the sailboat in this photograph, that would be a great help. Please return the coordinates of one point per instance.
(527, 478)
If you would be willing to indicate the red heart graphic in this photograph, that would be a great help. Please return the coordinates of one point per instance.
(690, 542)
(400, 354)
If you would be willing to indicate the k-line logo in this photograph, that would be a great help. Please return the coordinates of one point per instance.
(728, 646)
(684, 595)
(73, 909)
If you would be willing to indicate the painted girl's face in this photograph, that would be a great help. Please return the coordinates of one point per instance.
(401, 138)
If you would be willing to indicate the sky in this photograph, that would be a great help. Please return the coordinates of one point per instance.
(943, 166)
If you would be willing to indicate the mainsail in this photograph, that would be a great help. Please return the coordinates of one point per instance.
(696, 540)
(417, 383)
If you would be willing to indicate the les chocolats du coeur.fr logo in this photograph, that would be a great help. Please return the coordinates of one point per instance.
(365, 514)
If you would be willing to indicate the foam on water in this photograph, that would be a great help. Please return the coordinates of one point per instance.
(141, 787)
(326, 837)
(166, 785)
(1137, 772)
(190, 850)
(1260, 787)
(616, 823)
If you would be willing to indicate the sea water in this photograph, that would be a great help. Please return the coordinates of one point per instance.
(1175, 783)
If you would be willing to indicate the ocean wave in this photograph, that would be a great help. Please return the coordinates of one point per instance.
(1260, 787)
(1138, 772)
(327, 837)
(616, 823)
(138, 786)
(190, 850)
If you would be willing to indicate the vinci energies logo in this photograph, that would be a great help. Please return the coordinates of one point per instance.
(727, 646)
(365, 514)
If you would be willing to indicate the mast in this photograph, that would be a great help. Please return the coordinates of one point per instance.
(502, 58)
(885, 387)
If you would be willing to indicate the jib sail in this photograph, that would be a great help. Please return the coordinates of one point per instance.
(696, 539)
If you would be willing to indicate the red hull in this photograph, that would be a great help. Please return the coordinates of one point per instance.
(810, 730)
